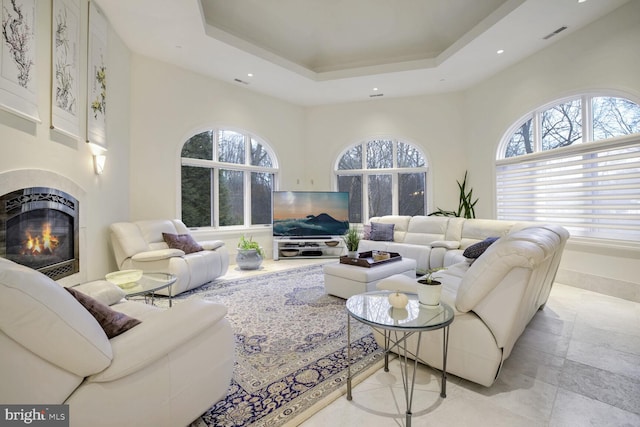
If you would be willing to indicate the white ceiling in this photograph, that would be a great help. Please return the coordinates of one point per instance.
(312, 52)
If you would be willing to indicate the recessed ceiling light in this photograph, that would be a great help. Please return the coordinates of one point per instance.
(500, 51)
(375, 89)
(581, 1)
(250, 75)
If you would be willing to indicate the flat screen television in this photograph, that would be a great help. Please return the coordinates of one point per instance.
(300, 214)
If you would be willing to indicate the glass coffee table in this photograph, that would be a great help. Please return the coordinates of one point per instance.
(148, 285)
(397, 325)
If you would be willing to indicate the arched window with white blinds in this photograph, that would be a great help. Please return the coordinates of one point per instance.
(576, 163)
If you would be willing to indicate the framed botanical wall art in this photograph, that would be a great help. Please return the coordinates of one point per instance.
(18, 59)
(65, 66)
(97, 77)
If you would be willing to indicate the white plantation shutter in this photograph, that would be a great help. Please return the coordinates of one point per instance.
(593, 189)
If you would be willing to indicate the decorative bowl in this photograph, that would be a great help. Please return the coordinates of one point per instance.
(289, 252)
(381, 256)
(124, 278)
(332, 243)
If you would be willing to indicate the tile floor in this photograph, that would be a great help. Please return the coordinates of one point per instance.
(576, 364)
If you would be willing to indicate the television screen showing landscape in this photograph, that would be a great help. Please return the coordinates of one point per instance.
(310, 213)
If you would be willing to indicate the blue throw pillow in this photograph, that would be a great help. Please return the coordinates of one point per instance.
(477, 249)
(381, 232)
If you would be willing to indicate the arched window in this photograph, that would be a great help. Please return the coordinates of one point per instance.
(575, 162)
(227, 179)
(392, 174)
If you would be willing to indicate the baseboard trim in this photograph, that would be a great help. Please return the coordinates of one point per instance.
(603, 285)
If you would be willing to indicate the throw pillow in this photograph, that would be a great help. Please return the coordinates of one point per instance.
(382, 232)
(366, 232)
(184, 242)
(474, 251)
(112, 322)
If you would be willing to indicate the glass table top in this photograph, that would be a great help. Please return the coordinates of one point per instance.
(148, 283)
(374, 309)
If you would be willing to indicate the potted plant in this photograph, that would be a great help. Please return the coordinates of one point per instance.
(429, 288)
(352, 240)
(250, 254)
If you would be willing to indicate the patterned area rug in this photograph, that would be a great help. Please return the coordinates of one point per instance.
(290, 347)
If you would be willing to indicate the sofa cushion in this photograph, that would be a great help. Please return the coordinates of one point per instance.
(112, 322)
(38, 314)
(382, 232)
(105, 292)
(474, 251)
(184, 242)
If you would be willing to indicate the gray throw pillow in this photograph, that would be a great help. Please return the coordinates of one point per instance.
(112, 322)
(382, 232)
(474, 251)
(184, 242)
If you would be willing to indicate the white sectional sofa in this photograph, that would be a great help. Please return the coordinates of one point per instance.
(140, 245)
(165, 371)
(435, 241)
(493, 296)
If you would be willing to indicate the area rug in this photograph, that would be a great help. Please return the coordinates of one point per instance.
(291, 347)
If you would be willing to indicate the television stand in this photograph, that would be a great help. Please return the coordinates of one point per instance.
(308, 247)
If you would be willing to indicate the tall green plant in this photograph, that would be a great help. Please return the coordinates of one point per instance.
(466, 204)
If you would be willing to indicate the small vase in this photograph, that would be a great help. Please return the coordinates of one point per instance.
(352, 254)
(429, 293)
(248, 259)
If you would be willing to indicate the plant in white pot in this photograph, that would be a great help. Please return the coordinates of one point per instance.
(430, 288)
(250, 254)
(352, 240)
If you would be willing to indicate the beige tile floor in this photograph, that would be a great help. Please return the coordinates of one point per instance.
(576, 364)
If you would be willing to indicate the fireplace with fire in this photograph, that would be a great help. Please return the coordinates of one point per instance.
(39, 229)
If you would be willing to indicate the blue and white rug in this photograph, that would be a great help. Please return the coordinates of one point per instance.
(291, 351)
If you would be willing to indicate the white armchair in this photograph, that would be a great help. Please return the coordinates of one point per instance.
(166, 371)
(140, 245)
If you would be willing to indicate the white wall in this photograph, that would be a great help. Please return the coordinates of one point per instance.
(26, 145)
(604, 55)
(432, 123)
(170, 104)
(457, 131)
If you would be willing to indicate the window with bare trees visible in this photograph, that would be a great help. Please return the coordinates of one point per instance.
(227, 179)
(383, 177)
(575, 162)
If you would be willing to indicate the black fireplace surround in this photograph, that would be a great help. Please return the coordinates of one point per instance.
(39, 229)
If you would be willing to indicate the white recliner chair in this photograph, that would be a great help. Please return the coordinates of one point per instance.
(140, 245)
(165, 371)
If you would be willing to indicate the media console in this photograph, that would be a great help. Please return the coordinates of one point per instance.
(308, 247)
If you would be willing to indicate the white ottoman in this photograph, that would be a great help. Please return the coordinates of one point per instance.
(344, 280)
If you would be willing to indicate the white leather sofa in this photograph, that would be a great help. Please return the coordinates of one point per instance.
(140, 245)
(494, 297)
(435, 241)
(166, 371)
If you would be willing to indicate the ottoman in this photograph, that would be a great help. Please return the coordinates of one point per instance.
(344, 280)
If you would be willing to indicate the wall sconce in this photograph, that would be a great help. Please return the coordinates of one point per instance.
(98, 163)
(99, 157)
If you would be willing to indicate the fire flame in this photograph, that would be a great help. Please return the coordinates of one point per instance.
(40, 245)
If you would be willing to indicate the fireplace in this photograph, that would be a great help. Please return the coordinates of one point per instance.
(39, 228)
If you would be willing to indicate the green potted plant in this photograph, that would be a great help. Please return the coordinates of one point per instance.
(429, 288)
(352, 240)
(250, 254)
(466, 203)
